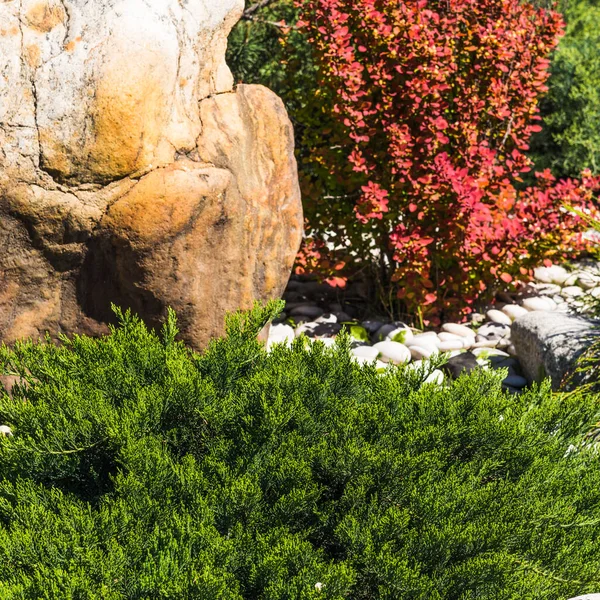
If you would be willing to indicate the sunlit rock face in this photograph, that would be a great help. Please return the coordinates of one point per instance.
(132, 172)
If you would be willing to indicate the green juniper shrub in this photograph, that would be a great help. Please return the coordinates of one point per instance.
(140, 470)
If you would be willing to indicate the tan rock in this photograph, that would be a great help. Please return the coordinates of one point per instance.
(131, 172)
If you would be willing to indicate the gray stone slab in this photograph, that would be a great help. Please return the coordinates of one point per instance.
(548, 344)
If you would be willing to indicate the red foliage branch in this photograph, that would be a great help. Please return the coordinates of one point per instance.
(439, 99)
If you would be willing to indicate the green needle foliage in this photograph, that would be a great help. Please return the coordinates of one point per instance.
(140, 470)
(570, 139)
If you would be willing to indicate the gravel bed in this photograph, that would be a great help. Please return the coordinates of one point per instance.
(483, 341)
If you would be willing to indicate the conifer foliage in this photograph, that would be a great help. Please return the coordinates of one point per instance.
(138, 469)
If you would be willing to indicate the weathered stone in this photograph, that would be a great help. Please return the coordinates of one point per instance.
(131, 171)
(549, 343)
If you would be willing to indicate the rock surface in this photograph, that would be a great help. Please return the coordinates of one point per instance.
(549, 343)
(131, 171)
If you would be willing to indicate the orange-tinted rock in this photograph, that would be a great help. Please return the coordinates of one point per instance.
(125, 179)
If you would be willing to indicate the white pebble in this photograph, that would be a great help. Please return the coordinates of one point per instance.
(514, 311)
(451, 345)
(393, 352)
(415, 364)
(402, 335)
(444, 336)
(425, 339)
(489, 352)
(558, 274)
(571, 291)
(327, 318)
(545, 289)
(497, 316)
(538, 303)
(468, 342)
(420, 352)
(483, 342)
(305, 328)
(542, 274)
(436, 377)
(365, 352)
(281, 333)
(458, 329)
(572, 279)
(6, 431)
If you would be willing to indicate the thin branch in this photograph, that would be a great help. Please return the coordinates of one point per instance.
(249, 12)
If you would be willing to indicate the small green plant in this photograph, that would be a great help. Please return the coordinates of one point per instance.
(140, 470)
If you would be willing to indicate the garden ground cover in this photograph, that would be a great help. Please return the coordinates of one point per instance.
(138, 469)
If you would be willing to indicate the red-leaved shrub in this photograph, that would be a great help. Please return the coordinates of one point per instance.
(438, 99)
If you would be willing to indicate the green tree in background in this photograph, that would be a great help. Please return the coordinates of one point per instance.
(570, 139)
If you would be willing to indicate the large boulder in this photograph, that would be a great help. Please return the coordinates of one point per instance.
(132, 172)
(549, 344)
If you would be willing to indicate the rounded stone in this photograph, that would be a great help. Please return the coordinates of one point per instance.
(468, 342)
(306, 328)
(327, 318)
(450, 345)
(307, 310)
(571, 291)
(494, 331)
(497, 316)
(515, 381)
(385, 330)
(588, 281)
(545, 289)
(429, 338)
(557, 274)
(369, 352)
(501, 362)
(393, 352)
(489, 352)
(343, 317)
(537, 303)
(403, 335)
(281, 334)
(514, 311)
(372, 326)
(5, 431)
(484, 342)
(542, 274)
(458, 329)
(436, 377)
(422, 352)
(572, 279)
(444, 336)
